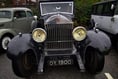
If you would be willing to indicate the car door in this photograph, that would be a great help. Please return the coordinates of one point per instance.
(114, 21)
(106, 20)
(20, 21)
(98, 17)
(30, 18)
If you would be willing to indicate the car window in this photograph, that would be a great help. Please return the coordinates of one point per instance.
(94, 9)
(107, 10)
(19, 14)
(99, 9)
(29, 14)
(56, 7)
(116, 8)
(5, 14)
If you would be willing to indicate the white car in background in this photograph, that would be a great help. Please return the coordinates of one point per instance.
(13, 21)
(105, 17)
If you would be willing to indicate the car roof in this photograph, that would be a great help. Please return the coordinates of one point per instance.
(104, 2)
(15, 8)
(54, 0)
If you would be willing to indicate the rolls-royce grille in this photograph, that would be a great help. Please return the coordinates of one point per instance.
(59, 36)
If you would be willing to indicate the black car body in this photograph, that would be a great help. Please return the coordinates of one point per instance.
(56, 41)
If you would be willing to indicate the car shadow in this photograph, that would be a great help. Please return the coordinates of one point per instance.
(2, 53)
(62, 72)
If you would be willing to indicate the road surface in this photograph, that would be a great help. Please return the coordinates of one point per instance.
(110, 70)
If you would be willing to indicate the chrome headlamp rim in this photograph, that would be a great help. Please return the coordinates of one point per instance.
(41, 30)
(79, 27)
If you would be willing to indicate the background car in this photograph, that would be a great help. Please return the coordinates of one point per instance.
(105, 16)
(13, 21)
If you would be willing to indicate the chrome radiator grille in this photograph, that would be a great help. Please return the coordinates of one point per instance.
(59, 36)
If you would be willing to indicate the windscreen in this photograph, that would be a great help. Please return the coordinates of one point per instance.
(5, 14)
(56, 7)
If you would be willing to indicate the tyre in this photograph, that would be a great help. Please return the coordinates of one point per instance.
(116, 44)
(25, 65)
(4, 42)
(94, 61)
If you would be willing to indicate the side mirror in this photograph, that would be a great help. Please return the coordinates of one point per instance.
(112, 6)
(14, 18)
(35, 17)
(95, 28)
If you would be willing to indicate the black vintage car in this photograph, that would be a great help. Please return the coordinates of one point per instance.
(56, 41)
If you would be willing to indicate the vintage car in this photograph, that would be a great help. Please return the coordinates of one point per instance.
(55, 41)
(13, 21)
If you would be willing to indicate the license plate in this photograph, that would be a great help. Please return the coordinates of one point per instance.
(60, 62)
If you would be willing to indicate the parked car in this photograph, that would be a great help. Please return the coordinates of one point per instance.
(105, 17)
(13, 21)
(56, 41)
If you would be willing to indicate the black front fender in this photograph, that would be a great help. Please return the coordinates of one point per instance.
(99, 41)
(18, 45)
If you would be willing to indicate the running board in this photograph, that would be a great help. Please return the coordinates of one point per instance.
(80, 63)
(41, 64)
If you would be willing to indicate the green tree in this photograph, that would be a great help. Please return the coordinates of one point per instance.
(7, 3)
(83, 10)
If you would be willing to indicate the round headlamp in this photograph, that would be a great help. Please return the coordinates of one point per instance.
(39, 35)
(79, 33)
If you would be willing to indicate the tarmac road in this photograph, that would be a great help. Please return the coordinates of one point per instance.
(65, 72)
